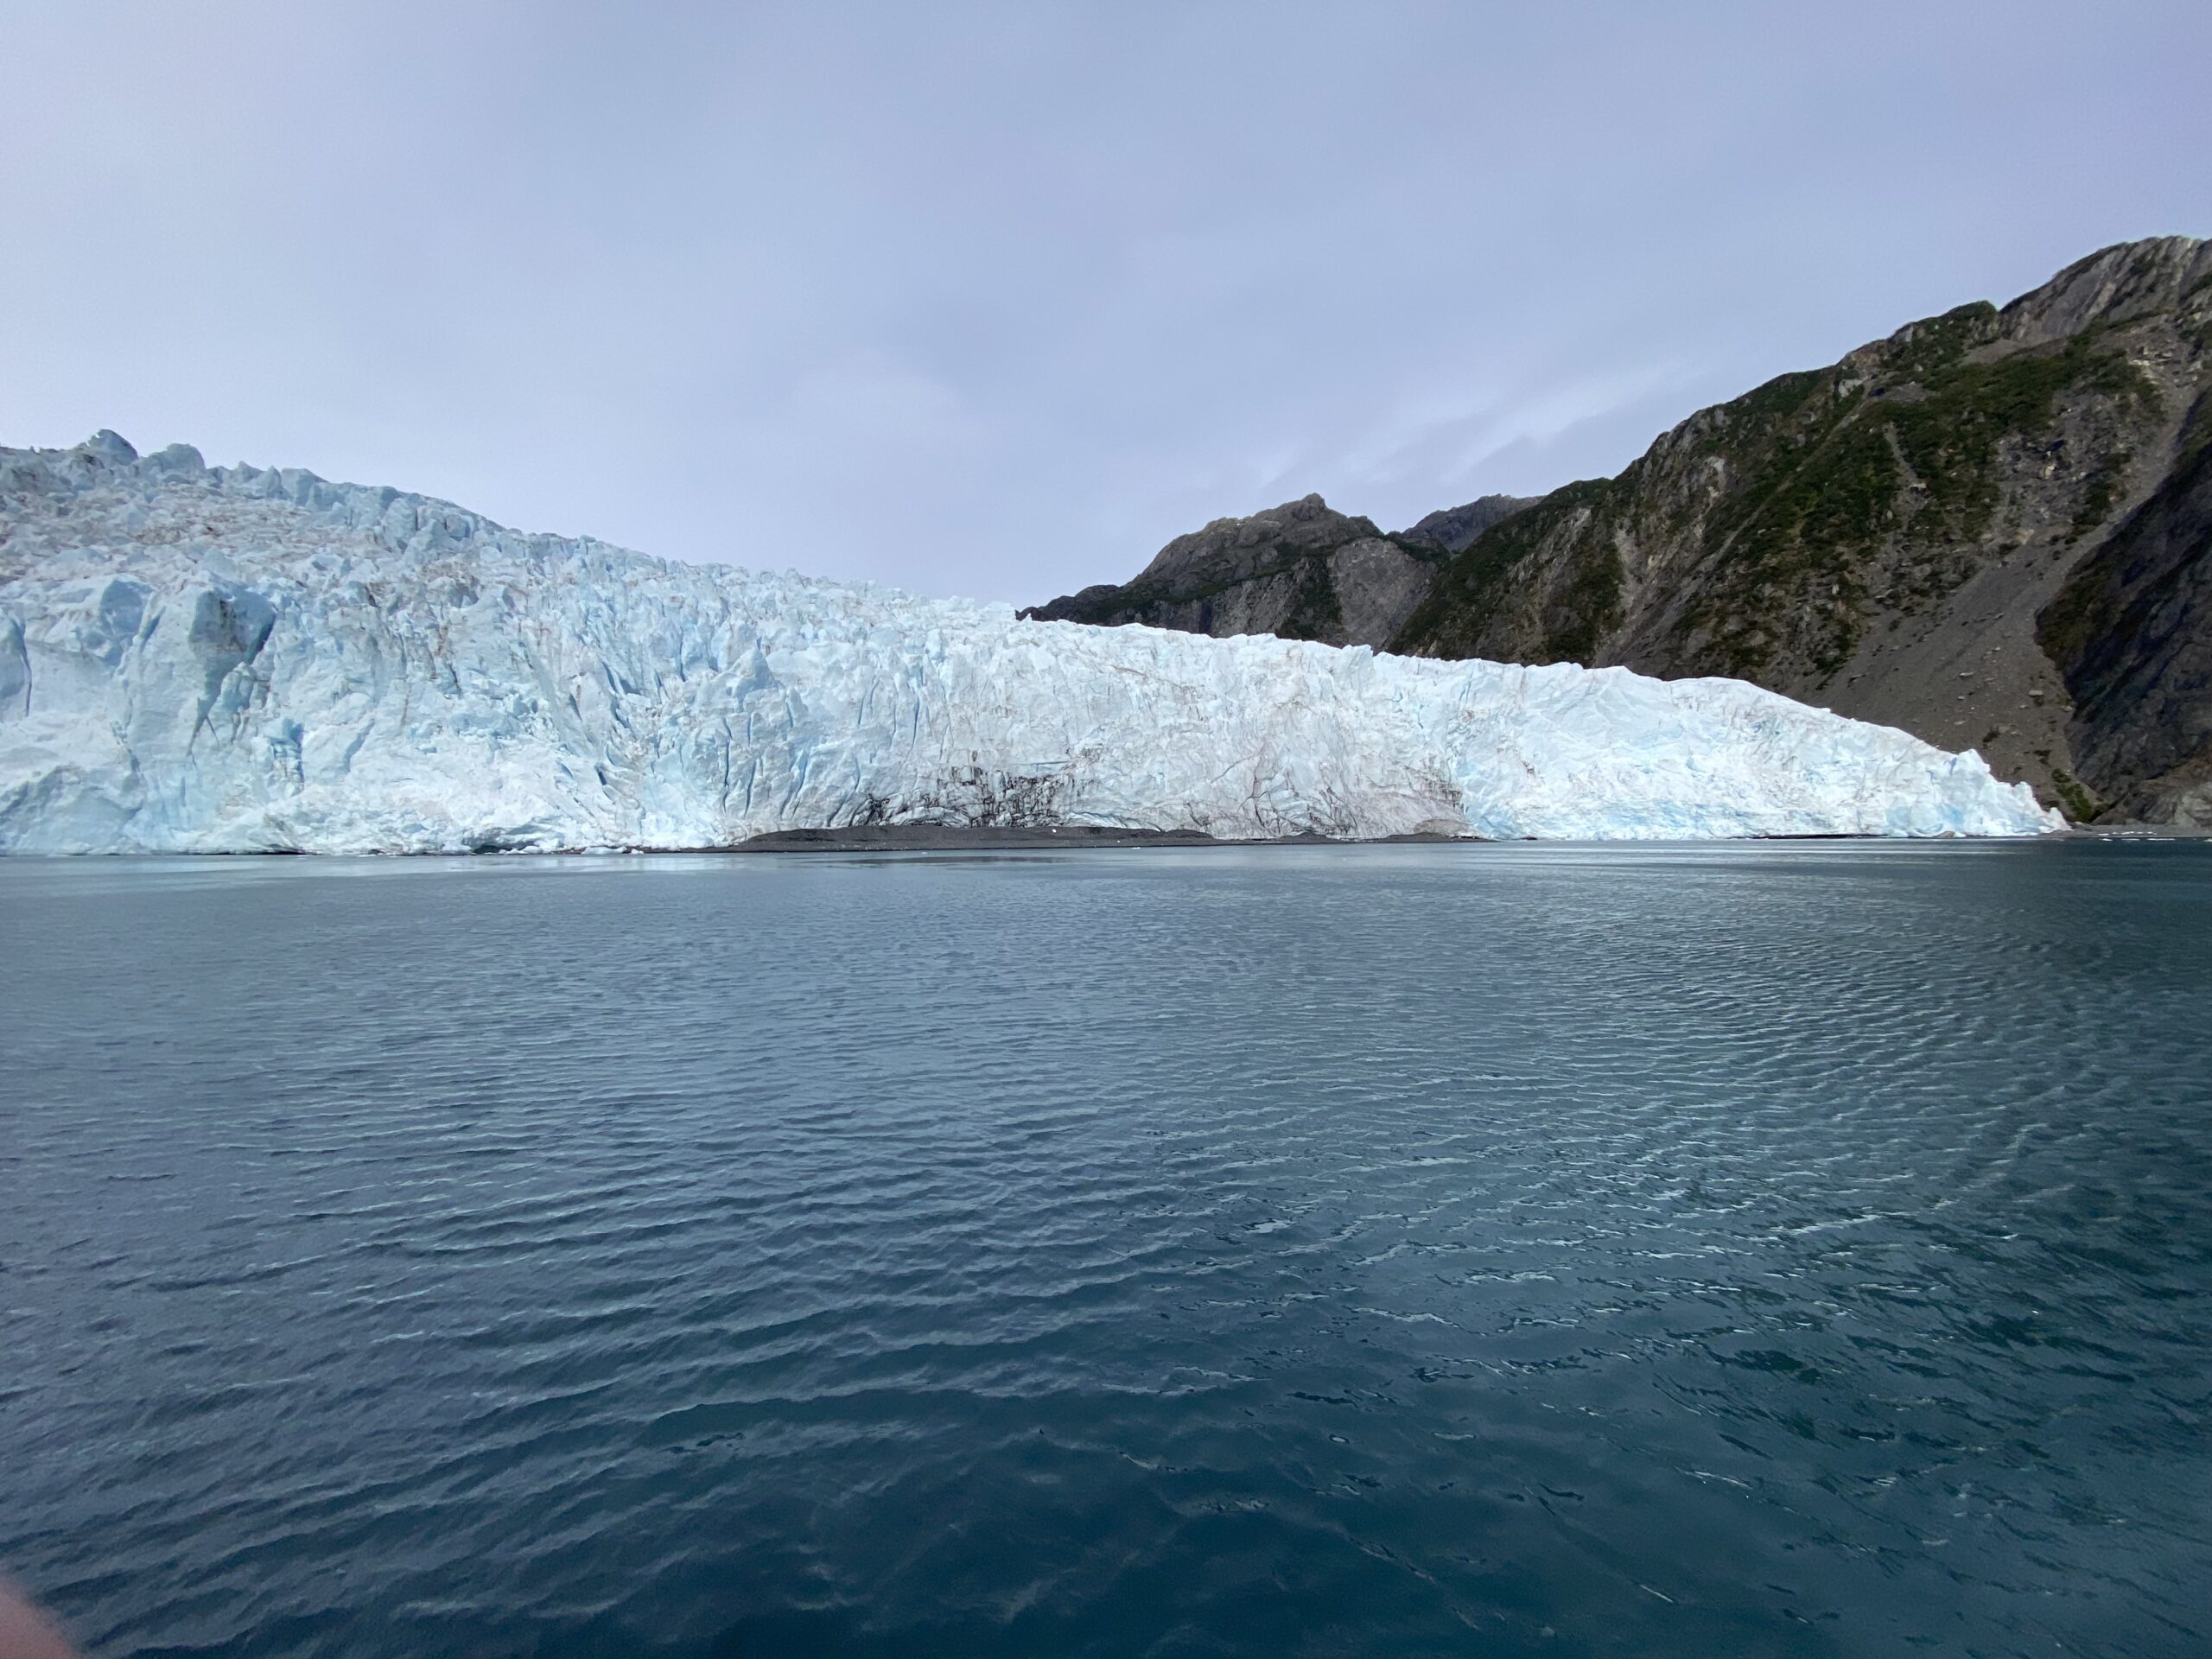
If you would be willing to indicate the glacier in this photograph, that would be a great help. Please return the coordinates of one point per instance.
(199, 659)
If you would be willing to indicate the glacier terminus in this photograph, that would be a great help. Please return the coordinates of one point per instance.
(241, 660)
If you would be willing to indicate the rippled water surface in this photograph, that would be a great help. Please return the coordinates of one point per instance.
(1789, 1249)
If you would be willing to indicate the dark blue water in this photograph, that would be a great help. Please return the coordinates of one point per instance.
(1799, 1251)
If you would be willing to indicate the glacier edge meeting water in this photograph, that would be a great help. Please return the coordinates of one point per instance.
(238, 660)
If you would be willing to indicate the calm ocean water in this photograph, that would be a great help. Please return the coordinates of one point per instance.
(1791, 1249)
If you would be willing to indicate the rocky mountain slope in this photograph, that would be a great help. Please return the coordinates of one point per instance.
(1456, 527)
(239, 659)
(1300, 571)
(1990, 529)
(1944, 532)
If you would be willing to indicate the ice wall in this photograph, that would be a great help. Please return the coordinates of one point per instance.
(235, 659)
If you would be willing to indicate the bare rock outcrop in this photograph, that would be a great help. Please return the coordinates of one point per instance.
(1299, 571)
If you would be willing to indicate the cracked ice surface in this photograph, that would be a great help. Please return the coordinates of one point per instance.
(235, 659)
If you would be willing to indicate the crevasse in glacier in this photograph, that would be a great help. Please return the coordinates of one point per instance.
(230, 659)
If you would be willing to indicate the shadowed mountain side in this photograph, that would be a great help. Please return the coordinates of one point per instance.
(2129, 632)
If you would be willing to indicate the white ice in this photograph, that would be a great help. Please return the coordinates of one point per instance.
(235, 660)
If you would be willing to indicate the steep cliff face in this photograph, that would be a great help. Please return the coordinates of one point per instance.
(2131, 631)
(1300, 571)
(1881, 536)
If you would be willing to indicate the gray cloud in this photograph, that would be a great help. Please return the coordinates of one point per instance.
(996, 299)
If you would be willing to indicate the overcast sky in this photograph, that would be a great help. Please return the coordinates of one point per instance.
(996, 300)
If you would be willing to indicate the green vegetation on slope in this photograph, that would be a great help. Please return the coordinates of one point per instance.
(1784, 505)
(1908, 463)
(1474, 588)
